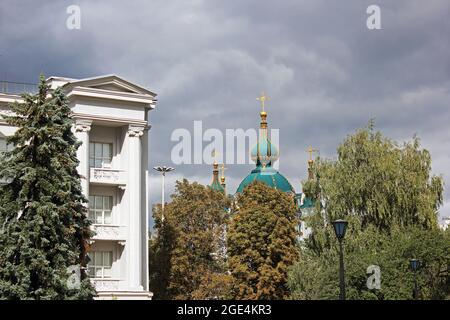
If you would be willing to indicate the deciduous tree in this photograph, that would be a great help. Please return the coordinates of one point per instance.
(390, 198)
(262, 242)
(188, 252)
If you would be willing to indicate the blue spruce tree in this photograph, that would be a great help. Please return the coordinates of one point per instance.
(43, 222)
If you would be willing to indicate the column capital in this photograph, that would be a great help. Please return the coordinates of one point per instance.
(136, 131)
(83, 125)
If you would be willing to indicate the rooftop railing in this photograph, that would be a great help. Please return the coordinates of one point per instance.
(17, 87)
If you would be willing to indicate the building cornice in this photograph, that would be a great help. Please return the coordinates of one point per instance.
(148, 100)
(106, 79)
(122, 121)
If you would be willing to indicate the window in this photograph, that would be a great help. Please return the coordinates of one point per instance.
(100, 264)
(100, 155)
(4, 146)
(100, 209)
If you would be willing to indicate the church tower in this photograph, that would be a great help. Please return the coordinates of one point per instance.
(305, 204)
(264, 154)
(216, 185)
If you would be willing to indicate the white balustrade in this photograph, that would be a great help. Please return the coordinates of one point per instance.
(109, 232)
(107, 176)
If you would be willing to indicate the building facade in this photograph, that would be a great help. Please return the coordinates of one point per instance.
(111, 121)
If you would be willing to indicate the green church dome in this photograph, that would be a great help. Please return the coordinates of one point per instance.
(265, 153)
(269, 176)
(217, 186)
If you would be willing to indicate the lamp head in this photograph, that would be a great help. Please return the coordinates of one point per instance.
(415, 264)
(163, 169)
(340, 227)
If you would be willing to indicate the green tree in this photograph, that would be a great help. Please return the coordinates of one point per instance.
(387, 193)
(262, 242)
(188, 258)
(315, 276)
(382, 182)
(43, 224)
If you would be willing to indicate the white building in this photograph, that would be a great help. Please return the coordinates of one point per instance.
(445, 223)
(111, 121)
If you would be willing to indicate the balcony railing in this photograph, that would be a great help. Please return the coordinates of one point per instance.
(109, 232)
(17, 87)
(106, 284)
(108, 176)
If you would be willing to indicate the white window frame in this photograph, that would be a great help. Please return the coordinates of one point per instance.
(100, 265)
(102, 161)
(95, 210)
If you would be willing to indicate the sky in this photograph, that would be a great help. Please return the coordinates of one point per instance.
(325, 72)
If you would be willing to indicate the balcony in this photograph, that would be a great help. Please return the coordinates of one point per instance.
(109, 232)
(106, 284)
(112, 177)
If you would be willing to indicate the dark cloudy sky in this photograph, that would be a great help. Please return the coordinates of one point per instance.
(325, 72)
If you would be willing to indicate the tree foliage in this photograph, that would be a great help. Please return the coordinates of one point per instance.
(262, 243)
(187, 256)
(382, 182)
(391, 200)
(315, 276)
(43, 224)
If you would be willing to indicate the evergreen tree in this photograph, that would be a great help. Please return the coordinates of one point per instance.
(188, 258)
(43, 224)
(262, 242)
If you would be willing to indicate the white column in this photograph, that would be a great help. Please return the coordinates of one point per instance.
(82, 128)
(134, 191)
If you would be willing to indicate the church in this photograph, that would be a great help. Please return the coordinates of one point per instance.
(265, 154)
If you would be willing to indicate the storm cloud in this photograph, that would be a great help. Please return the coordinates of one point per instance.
(326, 73)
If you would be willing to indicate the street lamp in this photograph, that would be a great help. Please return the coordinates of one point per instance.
(340, 226)
(415, 264)
(163, 170)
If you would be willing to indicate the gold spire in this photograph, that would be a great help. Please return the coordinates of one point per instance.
(310, 150)
(263, 98)
(222, 169)
(215, 166)
(215, 173)
(222, 177)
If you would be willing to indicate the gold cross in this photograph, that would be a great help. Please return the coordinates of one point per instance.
(310, 151)
(262, 99)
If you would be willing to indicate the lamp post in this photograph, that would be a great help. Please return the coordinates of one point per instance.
(163, 170)
(414, 263)
(340, 226)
